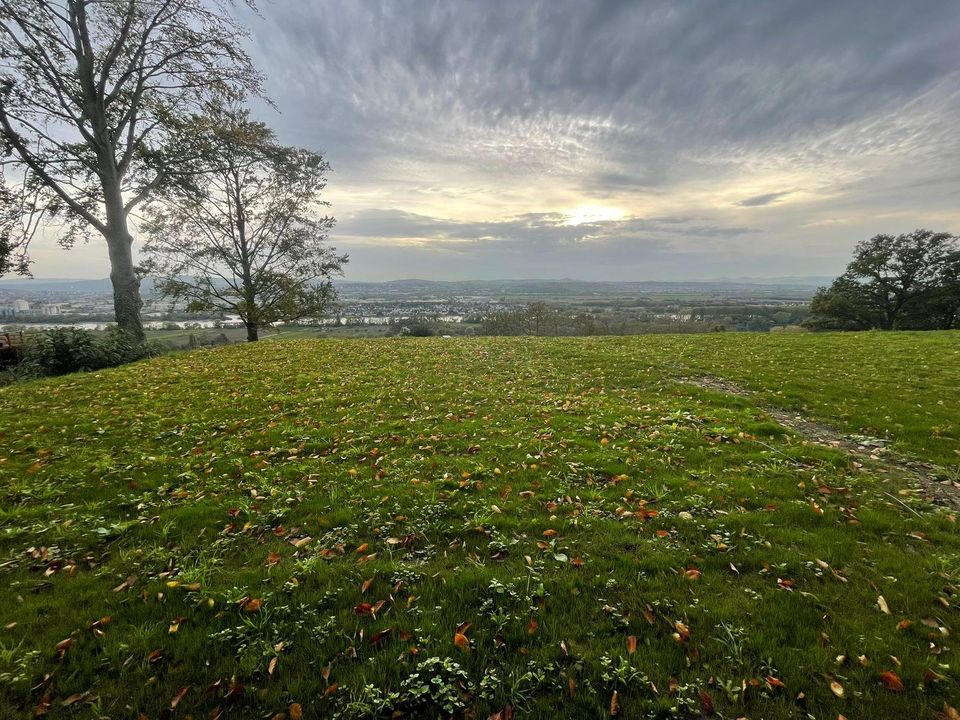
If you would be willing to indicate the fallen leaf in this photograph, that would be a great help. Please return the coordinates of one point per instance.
(179, 696)
(615, 704)
(892, 681)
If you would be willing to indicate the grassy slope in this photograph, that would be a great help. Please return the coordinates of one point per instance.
(494, 482)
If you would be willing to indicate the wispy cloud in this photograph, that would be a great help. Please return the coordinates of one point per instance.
(485, 123)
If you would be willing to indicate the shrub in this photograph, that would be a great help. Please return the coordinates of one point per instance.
(66, 350)
(420, 330)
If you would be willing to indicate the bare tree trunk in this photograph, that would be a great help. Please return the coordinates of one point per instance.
(126, 284)
(252, 332)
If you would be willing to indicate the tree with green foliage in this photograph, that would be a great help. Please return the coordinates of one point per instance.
(91, 94)
(245, 233)
(909, 281)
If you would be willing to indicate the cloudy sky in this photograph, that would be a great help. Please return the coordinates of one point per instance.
(616, 139)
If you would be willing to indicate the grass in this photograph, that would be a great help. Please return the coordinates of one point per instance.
(434, 527)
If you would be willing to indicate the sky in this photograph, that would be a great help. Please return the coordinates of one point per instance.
(610, 139)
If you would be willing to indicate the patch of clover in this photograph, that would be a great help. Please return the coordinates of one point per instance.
(436, 684)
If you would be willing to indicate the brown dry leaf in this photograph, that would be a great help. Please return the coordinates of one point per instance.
(632, 644)
(706, 703)
(253, 605)
(63, 646)
(273, 558)
(836, 688)
(379, 637)
(330, 690)
(76, 697)
(461, 641)
(295, 711)
(532, 626)
(882, 604)
(615, 704)
(43, 707)
(366, 585)
(179, 696)
(126, 584)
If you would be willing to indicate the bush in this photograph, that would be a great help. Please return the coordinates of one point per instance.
(420, 330)
(67, 350)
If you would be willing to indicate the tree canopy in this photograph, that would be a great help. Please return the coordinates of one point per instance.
(908, 281)
(246, 232)
(91, 95)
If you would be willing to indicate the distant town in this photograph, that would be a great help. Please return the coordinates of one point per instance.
(563, 307)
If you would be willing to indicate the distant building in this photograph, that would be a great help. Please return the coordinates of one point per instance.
(21, 305)
(49, 310)
(8, 311)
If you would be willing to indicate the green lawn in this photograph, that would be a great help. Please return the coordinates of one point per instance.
(426, 527)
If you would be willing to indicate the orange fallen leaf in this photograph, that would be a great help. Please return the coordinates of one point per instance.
(892, 681)
(461, 641)
(632, 644)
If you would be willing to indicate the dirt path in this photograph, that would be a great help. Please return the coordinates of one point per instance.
(936, 488)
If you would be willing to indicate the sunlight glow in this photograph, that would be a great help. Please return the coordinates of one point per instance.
(593, 213)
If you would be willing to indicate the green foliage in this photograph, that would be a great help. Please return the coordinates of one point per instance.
(245, 232)
(909, 281)
(66, 350)
(314, 523)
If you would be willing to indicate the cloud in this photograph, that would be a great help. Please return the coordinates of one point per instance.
(485, 121)
(766, 199)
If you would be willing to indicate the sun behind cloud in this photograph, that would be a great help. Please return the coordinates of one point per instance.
(593, 213)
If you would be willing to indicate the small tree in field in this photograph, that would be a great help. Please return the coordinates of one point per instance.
(246, 233)
(90, 92)
(895, 282)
